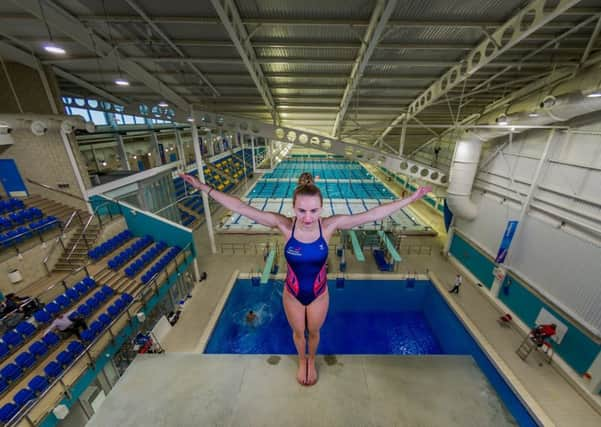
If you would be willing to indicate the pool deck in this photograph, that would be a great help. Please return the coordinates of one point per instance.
(555, 395)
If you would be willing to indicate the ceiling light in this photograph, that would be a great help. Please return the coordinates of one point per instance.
(502, 120)
(52, 48)
(533, 115)
(121, 82)
(190, 119)
(596, 94)
(149, 154)
(163, 104)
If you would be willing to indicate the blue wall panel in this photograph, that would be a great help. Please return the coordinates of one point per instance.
(480, 265)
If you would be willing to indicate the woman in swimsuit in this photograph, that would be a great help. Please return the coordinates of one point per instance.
(305, 295)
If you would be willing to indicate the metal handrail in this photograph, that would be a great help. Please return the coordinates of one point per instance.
(74, 214)
(83, 235)
(47, 187)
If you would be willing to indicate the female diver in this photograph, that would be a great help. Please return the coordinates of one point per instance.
(305, 295)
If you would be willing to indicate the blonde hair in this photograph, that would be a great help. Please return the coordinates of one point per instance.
(306, 187)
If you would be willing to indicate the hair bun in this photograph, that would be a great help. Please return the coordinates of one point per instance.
(305, 178)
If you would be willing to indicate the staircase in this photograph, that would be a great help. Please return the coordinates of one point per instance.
(49, 207)
(76, 250)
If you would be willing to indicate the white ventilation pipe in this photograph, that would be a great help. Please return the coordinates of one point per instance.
(39, 124)
(463, 171)
(570, 99)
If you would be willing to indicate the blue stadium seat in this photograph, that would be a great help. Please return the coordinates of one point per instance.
(26, 329)
(38, 349)
(89, 282)
(107, 291)
(38, 384)
(52, 309)
(25, 360)
(64, 358)
(96, 327)
(51, 339)
(63, 301)
(105, 319)
(8, 411)
(23, 396)
(3, 385)
(80, 288)
(53, 369)
(12, 339)
(127, 298)
(88, 335)
(75, 347)
(42, 317)
(73, 294)
(84, 310)
(113, 311)
(92, 303)
(11, 372)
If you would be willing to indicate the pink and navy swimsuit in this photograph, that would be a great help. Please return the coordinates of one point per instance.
(306, 278)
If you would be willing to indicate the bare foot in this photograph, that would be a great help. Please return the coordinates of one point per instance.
(311, 371)
(301, 374)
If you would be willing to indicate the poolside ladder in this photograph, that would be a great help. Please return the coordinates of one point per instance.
(525, 348)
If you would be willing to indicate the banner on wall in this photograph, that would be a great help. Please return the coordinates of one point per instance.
(506, 242)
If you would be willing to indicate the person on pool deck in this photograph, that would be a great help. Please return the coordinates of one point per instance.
(305, 295)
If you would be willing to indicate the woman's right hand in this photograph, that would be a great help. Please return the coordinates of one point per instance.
(194, 182)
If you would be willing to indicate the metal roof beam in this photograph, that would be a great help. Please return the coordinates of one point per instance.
(62, 21)
(230, 18)
(528, 20)
(164, 36)
(373, 34)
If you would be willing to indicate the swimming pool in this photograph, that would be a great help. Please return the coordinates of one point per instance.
(347, 188)
(365, 317)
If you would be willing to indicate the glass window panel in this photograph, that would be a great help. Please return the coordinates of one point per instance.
(129, 120)
(80, 112)
(98, 117)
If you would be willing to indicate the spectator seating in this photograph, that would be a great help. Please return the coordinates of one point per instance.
(124, 256)
(137, 266)
(110, 245)
(10, 205)
(160, 264)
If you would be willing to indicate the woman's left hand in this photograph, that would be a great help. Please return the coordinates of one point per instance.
(421, 192)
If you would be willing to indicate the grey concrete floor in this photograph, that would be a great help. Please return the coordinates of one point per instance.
(231, 390)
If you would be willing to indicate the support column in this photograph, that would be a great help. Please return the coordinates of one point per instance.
(533, 186)
(210, 144)
(403, 134)
(122, 153)
(201, 177)
(95, 159)
(155, 141)
(180, 148)
(252, 147)
(75, 168)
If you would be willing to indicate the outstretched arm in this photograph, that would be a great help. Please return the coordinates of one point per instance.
(269, 219)
(346, 222)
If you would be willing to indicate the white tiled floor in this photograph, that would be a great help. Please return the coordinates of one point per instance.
(555, 395)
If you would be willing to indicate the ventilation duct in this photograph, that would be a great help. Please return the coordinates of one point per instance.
(579, 96)
(39, 124)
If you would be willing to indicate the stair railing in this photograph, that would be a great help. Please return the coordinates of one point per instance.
(59, 238)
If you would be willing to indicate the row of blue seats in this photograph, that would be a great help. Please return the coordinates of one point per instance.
(117, 262)
(187, 219)
(22, 216)
(19, 234)
(38, 384)
(105, 319)
(91, 304)
(160, 264)
(110, 245)
(139, 264)
(14, 338)
(10, 205)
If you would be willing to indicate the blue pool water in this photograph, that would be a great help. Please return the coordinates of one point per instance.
(329, 190)
(365, 317)
(330, 169)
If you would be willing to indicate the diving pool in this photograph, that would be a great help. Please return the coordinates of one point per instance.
(368, 317)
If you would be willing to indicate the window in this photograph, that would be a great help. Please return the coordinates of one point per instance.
(98, 117)
(80, 112)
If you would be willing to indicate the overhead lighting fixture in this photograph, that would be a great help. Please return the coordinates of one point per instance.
(596, 94)
(502, 120)
(54, 49)
(121, 82)
(190, 119)
(163, 104)
(533, 115)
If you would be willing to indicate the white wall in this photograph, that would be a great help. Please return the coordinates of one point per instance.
(563, 262)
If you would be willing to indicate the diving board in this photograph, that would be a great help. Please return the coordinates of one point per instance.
(356, 246)
(268, 266)
(391, 249)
